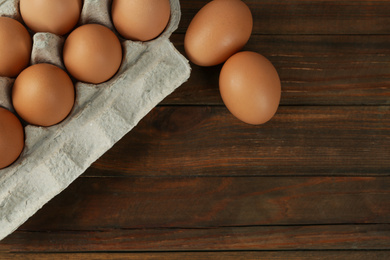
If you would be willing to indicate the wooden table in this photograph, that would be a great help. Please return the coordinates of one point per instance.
(192, 182)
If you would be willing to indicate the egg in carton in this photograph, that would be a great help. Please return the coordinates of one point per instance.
(53, 157)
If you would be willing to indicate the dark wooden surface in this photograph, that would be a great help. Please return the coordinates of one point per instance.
(192, 182)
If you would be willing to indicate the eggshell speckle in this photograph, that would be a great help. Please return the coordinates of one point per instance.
(218, 30)
(250, 87)
(11, 138)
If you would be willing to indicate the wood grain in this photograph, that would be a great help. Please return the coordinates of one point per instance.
(314, 70)
(308, 17)
(100, 204)
(240, 255)
(339, 237)
(209, 141)
(192, 182)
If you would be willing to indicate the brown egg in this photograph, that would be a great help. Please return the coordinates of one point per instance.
(92, 53)
(11, 138)
(218, 30)
(15, 47)
(43, 95)
(140, 20)
(250, 87)
(54, 16)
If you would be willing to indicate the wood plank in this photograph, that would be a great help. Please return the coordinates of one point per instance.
(196, 179)
(213, 202)
(314, 70)
(209, 141)
(308, 17)
(339, 237)
(240, 255)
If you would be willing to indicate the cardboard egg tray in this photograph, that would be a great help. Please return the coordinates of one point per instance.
(53, 157)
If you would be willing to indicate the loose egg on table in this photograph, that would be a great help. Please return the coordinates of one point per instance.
(218, 30)
(54, 16)
(92, 53)
(140, 20)
(15, 47)
(250, 87)
(43, 94)
(11, 138)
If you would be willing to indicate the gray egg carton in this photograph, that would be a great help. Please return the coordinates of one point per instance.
(53, 157)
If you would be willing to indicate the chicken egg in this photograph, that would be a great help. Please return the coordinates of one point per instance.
(250, 87)
(218, 30)
(92, 53)
(140, 20)
(15, 47)
(54, 16)
(11, 138)
(43, 94)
